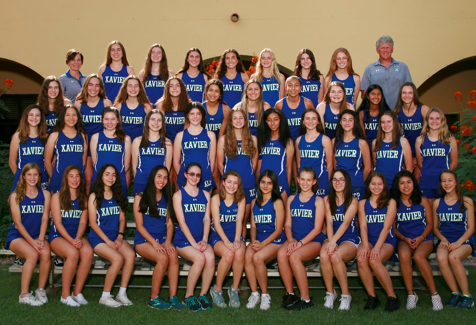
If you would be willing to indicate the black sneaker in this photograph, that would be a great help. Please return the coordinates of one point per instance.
(58, 262)
(301, 304)
(289, 300)
(191, 303)
(204, 302)
(19, 261)
(392, 304)
(466, 302)
(454, 300)
(372, 303)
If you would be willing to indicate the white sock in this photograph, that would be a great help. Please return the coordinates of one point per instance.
(264, 294)
(122, 290)
(255, 293)
(290, 293)
(105, 295)
(307, 300)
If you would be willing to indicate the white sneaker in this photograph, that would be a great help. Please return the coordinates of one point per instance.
(187, 266)
(99, 264)
(29, 299)
(124, 300)
(110, 302)
(412, 301)
(345, 302)
(265, 302)
(80, 299)
(329, 299)
(70, 302)
(40, 294)
(253, 300)
(437, 303)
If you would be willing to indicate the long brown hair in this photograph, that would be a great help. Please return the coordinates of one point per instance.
(64, 192)
(79, 126)
(314, 73)
(259, 101)
(240, 192)
(83, 96)
(458, 191)
(384, 197)
(219, 84)
(183, 97)
(222, 68)
(201, 66)
(319, 126)
(231, 144)
(24, 128)
(396, 132)
(119, 133)
(20, 190)
(348, 197)
(144, 143)
(42, 99)
(163, 65)
(122, 95)
(333, 64)
(116, 188)
(327, 96)
(108, 59)
(416, 99)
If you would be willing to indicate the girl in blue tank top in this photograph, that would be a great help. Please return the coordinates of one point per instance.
(30, 208)
(51, 100)
(311, 78)
(155, 73)
(194, 75)
(111, 146)
(332, 106)
(267, 236)
(150, 150)
(454, 228)
(267, 73)
(343, 235)
(217, 110)
(153, 214)
(195, 144)
(341, 70)
(232, 74)
(391, 152)
(228, 209)
(413, 229)
(134, 105)
(294, 105)
(192, 209)
(70, 218)
(314, 149)
(67, 145)
(436, 150)
(107, 218)
(237, 150)
(376, 220)
(351, 152)
(303, 228)
(115, 69)
(28, 144)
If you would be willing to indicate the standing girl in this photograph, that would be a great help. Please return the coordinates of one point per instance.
(267, 73)
(194, 75)
(217, 109)
(51, 100)
(311, 79)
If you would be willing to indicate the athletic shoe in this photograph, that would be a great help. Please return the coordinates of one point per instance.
(19, 262)
(288, 300)
(176, 304)
(110, 302)
(80, 299)
(345, 301)
(437, 303)
(70, 302)
(192, 303)
(187, 266)
(99, 264)
(454, 300)
(466, 302)
(301, 304)
(272, 265)
(205, 303)
(265, 301)
(40, 294)
(412, 301)
(372, 303)
(217, 297)
(58, 262)
(329, 299)
(393, 303)
(253, 300)
(158, 303)
(234, 298)
(124, 300)
(29, 299)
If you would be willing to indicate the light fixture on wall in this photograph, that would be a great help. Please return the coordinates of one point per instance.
(235, 17)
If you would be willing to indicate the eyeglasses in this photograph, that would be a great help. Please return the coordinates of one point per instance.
(338, 181)
(193, 174)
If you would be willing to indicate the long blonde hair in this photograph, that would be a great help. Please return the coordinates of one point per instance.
(20, 190)
(333, 64)
(259, 101)
(83, 96)
(24, 128)
(274, 66)
(444, 135)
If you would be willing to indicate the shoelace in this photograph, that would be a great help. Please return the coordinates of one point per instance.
(191, 301)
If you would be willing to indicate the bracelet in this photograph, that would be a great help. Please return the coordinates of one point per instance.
(121, 233)
(302, 244)
(423, 236)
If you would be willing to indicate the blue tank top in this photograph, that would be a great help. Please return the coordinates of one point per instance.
(352, 232)
(273, 156)
(195, 86)
(70, 220)
(389, 161)
(174, 122)
(435, 158)
(133, 120)
(32, 150)
(92, 118)
(113, 81)
(349, 85)
(411, 220)
(265, 221)
(453, 223)
(154, 88)
(411, 126)
(232, 89)
(107, 218)
(228, 216)
(67, 152)
(313, 155)
(156, 227)
(51, 120)
(31, 211)
(371, 127)
(214, 122)
(303, 216)
(253, 123)
(194, 208)
(293, 116)
(375, 219)
(349, 157)
(310, 89)
(271, 88)
(149, 157)
(330, 122)
(243, 164)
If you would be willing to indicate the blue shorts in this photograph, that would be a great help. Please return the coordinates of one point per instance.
(56, 234)
(264, 235)
(96, 240)
(318, 239)
(181, 243)
(351, 239)
(283, 189)
(250, 194)
(430, 237)
(138, 188)
(358, 192)
(430, 193)
(215, 239)
(138, 240)
(388, 240)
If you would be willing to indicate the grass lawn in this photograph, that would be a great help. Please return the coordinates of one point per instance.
(56, 313)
